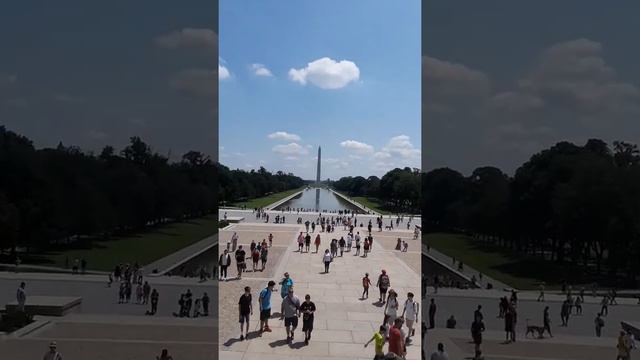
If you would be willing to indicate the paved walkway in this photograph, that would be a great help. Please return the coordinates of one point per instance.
(343, 321)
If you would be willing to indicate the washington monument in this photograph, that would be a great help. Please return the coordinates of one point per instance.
(318, 182)
(318, 175)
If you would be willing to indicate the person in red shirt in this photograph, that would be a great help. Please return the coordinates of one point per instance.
(396, 338)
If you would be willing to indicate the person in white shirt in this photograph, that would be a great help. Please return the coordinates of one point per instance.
(234, 241)
(440, 354)
(410, 314)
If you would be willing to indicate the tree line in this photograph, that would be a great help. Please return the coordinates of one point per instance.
(54, 195)
(398, 189)
(237, 185)
(576, 205)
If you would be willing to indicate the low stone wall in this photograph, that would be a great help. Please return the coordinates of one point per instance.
(280, 202)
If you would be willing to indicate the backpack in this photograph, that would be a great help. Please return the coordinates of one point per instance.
(384, 281)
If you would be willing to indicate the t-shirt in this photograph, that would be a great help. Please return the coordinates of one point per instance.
(391, 307)
(411, 310)
(240, 254)
(286, 284)
(326, 257)
(379, 341)
(290, 306)
(365, 281)
(383, 282)
(245, 304)
(265, 295)
(307, 306)
(395, 341)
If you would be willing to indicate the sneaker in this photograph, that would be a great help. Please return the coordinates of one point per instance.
(292, 336)
(288, 339)
(267, 329)
(241, 337)
(306, 342)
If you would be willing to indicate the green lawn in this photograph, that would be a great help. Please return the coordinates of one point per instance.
(144, 247)
(266, 200)
(370, 203)
(516, 270)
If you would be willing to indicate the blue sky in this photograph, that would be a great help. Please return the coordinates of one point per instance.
(354, 88)
(506, 79)
(95, 73)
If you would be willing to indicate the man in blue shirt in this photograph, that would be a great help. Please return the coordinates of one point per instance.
(265, 306)
(286, 283)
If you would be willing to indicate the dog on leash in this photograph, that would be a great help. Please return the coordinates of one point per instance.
(532, 329)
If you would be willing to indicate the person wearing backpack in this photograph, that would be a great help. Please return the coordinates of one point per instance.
(410, 314)
(383, 284)
(240, 256)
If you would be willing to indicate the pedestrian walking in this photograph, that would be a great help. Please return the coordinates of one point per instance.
(477, 328)
(391, 309)
(410, 315)
(326, 259)
(546, 320)
(308, 309)
(264, 301)
(52, 353)
(366, 282)
(290, 310)
(317, 242)
(599, 323)
(234, 241)
(432, 314)
(245, 309)
(240, 258)
(379, 338)
(286, 284)
(383, 284)
(21, 296)
(264, 253)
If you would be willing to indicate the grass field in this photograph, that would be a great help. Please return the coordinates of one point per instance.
(266, 200)
(521, 272)
(144, 247)
(370, 203)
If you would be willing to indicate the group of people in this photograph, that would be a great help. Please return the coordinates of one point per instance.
(258, 255)
(190, 308)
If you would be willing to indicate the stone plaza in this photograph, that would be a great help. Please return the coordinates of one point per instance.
(343, 321)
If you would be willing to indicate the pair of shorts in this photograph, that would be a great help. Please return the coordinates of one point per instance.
(244, 318)
(265, 314)
(383, 290)
(291, 321)
(307, 324)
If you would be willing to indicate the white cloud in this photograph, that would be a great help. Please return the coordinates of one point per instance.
(291, 158)
(357, 147)
(283, 135)
(326, 73)
(260, 70)
(195, 82)
(188, 38)
(223, 72)
(399, 147)
(290, 149)
(451, 87)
